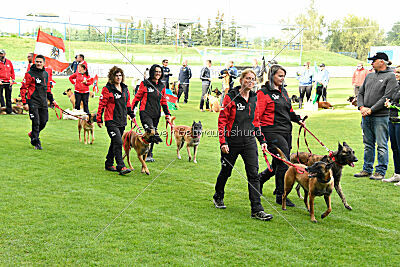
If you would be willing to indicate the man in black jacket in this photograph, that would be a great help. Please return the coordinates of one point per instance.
(167, 74)
(35, 91)
(185, 74)
(205, 76)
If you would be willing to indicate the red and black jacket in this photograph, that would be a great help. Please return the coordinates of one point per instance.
(116, 105)
(77, 79)
(36, 88)
(238, 122)
(275, 110)
(6, 71)
(152, 98)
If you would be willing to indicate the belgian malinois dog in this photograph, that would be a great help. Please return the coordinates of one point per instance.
(189, 134)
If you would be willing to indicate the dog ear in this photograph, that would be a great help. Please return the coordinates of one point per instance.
(345, 144)
(340, 147)
(325, 159)
(148, 130)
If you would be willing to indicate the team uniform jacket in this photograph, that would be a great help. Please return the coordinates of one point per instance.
(151, 98)
(167, 74)
(77, 79)
(205, 75)
(185, 74)
(115, 105)
(238, 122)
(48, 70)
(36, 88)
(6, 71)
(275, 110)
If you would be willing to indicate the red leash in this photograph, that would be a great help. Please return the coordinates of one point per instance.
(172, 128)
(64, 112)
(298, 169)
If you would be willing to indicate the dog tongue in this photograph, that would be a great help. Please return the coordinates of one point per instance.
(351, 164)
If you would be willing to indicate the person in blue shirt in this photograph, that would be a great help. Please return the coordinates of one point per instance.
(322, 80)
(306, 79)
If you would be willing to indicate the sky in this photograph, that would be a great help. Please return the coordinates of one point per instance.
(262, 18)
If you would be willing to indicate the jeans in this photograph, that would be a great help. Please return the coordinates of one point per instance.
(375, 130)
(394, 133)
(183, 88)
(204, 90)
(304, 90)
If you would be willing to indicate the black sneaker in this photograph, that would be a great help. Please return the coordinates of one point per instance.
(261, 215)
(150, 159)
(110, 168)
(219, 203)
(124, 171)
(288, 202)
(38, 147)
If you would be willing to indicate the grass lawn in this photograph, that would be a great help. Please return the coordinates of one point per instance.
(54, 202)
(17, 49)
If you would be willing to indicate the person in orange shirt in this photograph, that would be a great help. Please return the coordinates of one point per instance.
(358, 77)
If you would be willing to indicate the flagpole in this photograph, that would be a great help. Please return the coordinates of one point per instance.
(69, 40)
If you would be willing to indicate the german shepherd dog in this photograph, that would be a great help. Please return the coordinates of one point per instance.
(85, 122)
(213, 101)
(141, 144)
(189, 134)
(341, 157)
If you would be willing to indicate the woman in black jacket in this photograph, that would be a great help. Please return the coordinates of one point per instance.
(276, 117)
(237, 126)
(151, 95)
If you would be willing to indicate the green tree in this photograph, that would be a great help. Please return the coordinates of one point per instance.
(313, 24)
(354, 34)
(393, 36)
(198, 34)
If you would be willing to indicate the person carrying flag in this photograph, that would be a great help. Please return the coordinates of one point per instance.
(35, 91)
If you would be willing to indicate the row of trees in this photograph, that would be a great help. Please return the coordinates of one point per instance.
(351, 34)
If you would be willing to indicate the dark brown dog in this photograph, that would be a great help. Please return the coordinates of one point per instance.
(316, 181)
(141, 144)
(87, 125)
(341, 157)
(189, 134)
(324, 105)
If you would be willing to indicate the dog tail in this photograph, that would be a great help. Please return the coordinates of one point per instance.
(172, 120)
(125, 140)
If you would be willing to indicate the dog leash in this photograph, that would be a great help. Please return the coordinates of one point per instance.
(62, 111)
(305, 139)
(166, 130)
(298, 169)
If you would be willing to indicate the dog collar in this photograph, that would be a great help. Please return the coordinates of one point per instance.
(145, 141)
(333, 158)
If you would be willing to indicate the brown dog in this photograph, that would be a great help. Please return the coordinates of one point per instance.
(71, 97)
(316, 181)
(189, 134)
(341, 157)
(324, 105)
(141, 144)
(87, 124)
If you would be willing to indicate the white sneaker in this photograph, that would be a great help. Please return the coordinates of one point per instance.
(397, 184)
(394, 178)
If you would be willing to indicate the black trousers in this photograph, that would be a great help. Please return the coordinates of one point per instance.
(148, 123)
(304, 90)
(204, 90)
(7, 92)
(115, 149)
(84, 97)
(39, 117)
(249, 155)
(284, 142)
(183, 88)
(321, 91)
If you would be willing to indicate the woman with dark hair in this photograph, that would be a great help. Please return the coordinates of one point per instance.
(151, 95)
(81, 80)
(276, 115)
(238, 125)
(115, 101)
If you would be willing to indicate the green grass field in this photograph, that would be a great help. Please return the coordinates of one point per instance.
(54, 202)
(17, 49)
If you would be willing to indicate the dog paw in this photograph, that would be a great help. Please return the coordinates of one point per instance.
(283, 208)
(179, 157)
(190, 159)
(314, 221)
(194, 161)
(347, 206)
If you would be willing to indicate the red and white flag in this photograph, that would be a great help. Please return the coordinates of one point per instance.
(96, 84)
(53, 49)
